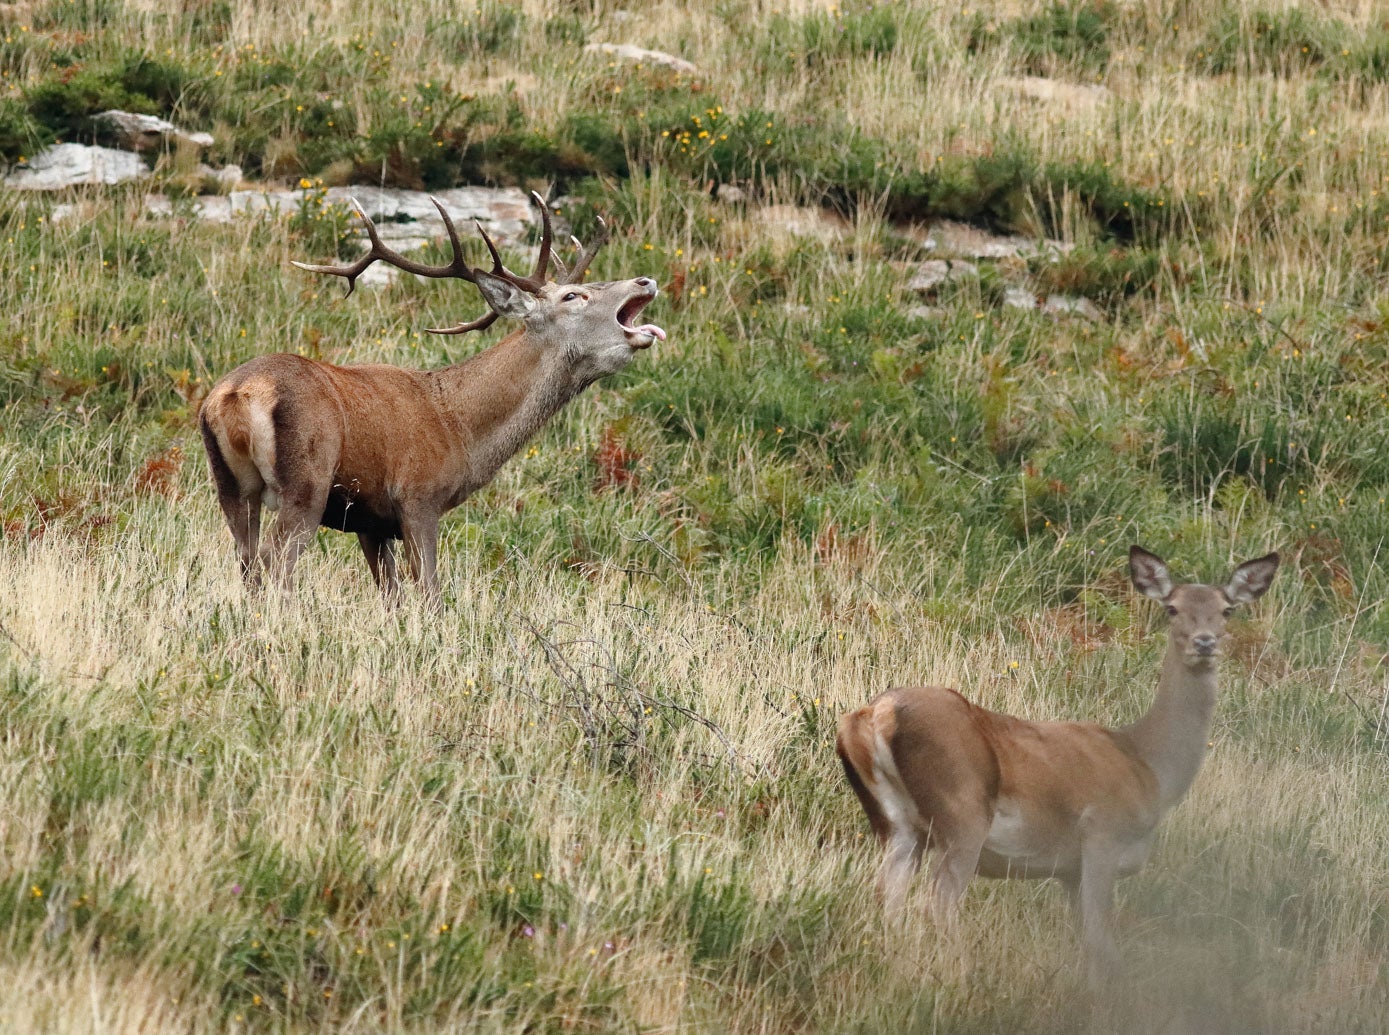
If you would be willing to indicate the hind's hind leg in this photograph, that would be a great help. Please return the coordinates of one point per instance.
(380, 554)
(901, 859)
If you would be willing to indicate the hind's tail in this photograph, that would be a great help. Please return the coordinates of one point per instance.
(855, 747)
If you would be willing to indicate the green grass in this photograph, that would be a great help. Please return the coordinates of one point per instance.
(598, 792)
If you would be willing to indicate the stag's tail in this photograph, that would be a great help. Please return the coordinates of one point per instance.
(238, 434)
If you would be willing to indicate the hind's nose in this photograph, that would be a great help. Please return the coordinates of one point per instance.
(1205, 644)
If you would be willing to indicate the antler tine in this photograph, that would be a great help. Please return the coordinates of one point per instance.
(580, 267)
(488, 318)
(453, 237)
(353, 270)
(561, 270)
(531, 284)
(484, 321)
(497, 266)
(542, 262)
(457, 267)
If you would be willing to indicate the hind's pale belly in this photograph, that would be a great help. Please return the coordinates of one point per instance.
(1018, 847)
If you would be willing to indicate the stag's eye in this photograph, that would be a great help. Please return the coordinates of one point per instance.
(1171, 610)
(1228, 612)
(569, 296)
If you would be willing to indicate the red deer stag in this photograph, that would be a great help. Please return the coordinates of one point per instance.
(998, 796)
(384, 451)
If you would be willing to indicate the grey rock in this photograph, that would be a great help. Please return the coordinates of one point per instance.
(802, 221)
(142, 132)
(406, 220)
(963, 239)
(74, 165)
(932, 273)
(505, 212)
(1068, 305)
(954, 238)
(214, 208)
(925, 312)
(1071, 96)
(227, 178)
(1019, 298)
(640, 55)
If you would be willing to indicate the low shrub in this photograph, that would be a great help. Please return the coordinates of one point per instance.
(1280, 42)
(21, 135)
(1105, 275)
(1070, 37)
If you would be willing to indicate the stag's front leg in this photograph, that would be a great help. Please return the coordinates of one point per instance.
(421, 532)
(380, 554)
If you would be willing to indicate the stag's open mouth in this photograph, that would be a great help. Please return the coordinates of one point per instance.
(638, 337)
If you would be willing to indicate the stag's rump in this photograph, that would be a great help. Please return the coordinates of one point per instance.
(284, 430)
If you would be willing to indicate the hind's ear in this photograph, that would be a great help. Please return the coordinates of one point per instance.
(1251, 579)
(1149, 573)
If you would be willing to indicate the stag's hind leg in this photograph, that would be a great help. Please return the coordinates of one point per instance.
(949, 772)
(243, 518)
(889, 811)
(239, 496)
(956, 846)
(301, 509)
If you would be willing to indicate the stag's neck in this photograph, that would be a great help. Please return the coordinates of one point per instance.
(1172, 737)
(501, 397)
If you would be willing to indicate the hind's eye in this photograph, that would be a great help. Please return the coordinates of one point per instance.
(1228, 612)
(1171, 610)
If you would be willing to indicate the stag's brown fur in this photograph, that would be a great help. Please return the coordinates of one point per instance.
(383, 451)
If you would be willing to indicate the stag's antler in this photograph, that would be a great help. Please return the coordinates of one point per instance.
(576, 273)
(458, 267)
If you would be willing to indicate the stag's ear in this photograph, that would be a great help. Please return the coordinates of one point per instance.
(1251, 579)
(504, 297)
(1149, 573)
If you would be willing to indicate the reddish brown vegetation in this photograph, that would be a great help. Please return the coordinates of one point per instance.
(159, 473)
(615, 460)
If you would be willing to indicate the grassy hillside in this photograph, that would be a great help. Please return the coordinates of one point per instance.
(599, 792)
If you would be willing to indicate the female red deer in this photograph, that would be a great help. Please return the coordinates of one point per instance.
(1004, 797)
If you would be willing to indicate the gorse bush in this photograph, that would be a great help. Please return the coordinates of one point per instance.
(1284, 42)
(21, 134)
(1106, 275)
